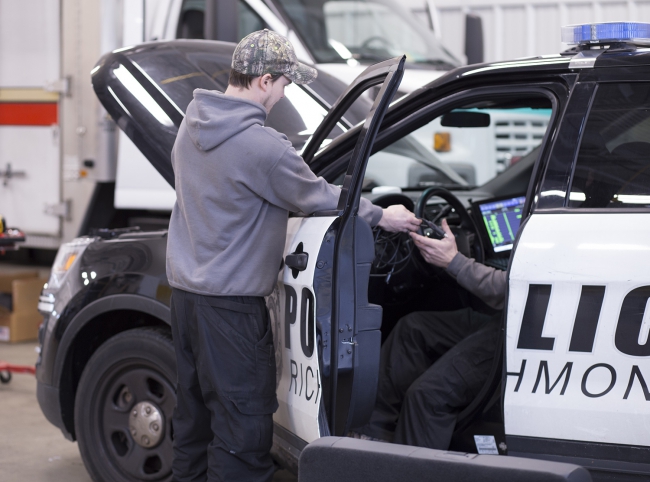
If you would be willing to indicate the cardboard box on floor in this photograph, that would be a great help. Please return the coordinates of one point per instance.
(22, 322)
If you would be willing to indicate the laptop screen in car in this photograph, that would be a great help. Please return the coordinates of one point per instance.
(501, 219)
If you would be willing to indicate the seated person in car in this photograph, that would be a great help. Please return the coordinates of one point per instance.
(433, 364)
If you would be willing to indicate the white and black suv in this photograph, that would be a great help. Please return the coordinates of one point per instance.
(569, 219)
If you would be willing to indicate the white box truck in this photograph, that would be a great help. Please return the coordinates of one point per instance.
(64, 169)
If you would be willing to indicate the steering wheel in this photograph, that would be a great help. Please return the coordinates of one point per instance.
(468, 240)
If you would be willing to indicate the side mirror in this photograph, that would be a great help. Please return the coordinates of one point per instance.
(465, 119)
(473, 39)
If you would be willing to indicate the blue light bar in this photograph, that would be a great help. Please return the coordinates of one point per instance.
(605, 32)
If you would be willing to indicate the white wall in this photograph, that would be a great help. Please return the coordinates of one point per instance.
(521, 28)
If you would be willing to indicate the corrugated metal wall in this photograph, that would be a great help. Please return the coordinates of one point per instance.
(520, 28)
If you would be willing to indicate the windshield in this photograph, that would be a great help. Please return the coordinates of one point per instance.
(358, 30)
(408, 165)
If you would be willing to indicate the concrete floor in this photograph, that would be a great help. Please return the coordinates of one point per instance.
(31, 449)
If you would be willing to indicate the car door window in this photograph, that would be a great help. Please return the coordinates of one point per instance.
(464, 146)
(612, 170)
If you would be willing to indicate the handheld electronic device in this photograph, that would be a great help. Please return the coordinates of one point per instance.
(430, 230)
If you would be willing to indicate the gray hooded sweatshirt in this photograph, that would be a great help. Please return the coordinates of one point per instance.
(236, 181)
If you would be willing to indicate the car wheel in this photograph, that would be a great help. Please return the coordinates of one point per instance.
(124, 405)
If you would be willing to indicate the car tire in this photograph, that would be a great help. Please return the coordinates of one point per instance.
(5, 377)
(124, 405)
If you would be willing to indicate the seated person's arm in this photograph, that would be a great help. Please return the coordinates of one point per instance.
(487, 283)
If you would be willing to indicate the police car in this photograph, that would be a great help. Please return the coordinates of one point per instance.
(569, 221)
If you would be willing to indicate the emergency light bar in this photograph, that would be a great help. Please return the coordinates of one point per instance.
(606, 32)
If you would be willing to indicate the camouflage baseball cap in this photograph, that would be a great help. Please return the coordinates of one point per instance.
(267, 52)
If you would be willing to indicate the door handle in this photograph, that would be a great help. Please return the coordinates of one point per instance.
(9, 173)
(297, 261)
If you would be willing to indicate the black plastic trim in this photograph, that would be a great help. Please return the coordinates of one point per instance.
(292, 439)
(601, 456)
(592, 210)
(548, 141)
(565, 147)
(48, 400)
(345, 459)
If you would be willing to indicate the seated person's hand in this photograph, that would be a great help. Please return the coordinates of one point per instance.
(438, 252)
(398, 219)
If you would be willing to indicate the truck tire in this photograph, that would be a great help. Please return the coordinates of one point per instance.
(124, 405)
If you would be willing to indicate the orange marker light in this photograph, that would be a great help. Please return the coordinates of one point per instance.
(442, 142)
(69, 261)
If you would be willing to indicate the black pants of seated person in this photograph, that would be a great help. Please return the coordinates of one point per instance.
(432, 366)
(223, 427)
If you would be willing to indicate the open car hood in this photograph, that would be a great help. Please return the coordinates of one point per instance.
(146, 90)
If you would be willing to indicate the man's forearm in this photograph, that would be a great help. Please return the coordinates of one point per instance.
(368, 211)
(489, 284)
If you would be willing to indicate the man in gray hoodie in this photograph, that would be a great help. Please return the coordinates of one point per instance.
(236, 182)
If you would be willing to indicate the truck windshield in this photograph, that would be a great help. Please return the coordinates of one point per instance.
(363, 30)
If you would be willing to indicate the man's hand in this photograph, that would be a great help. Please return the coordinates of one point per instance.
(398, 219)
(438, 252)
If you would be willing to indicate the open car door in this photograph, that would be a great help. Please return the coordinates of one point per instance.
(326, 333)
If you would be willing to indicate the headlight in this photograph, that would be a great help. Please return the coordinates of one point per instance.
(65, 259)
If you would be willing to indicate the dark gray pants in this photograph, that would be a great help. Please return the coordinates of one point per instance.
(432, 366)
(223, 426)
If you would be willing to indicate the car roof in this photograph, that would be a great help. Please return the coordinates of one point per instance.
(625, 55)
